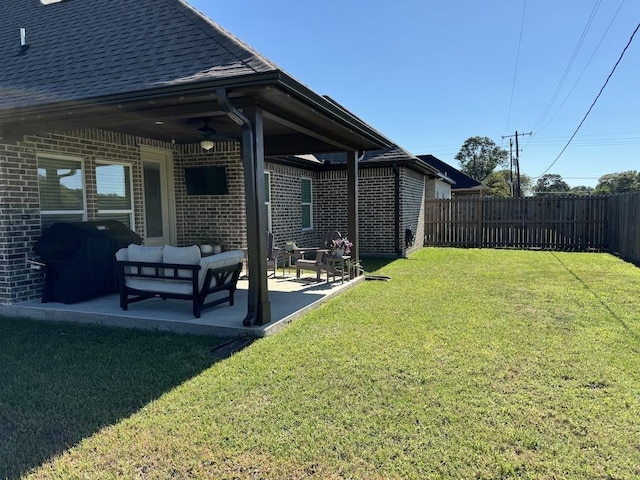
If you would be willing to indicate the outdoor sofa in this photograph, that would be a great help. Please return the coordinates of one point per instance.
(176, 272)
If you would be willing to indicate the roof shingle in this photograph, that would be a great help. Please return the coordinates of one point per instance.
(79, 49)
(462, 180)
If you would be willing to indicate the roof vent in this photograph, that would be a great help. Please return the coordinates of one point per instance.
(23, 38)
(48, 2)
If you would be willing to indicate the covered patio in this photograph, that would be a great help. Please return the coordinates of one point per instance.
(290, 298)
(222, 93)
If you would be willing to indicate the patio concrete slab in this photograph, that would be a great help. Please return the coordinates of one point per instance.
(289, 298)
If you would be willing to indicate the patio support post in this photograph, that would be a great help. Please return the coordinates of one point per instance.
(258, 305)
(352, 204)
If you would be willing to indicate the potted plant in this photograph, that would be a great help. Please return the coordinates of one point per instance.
(340, 246)
(290, 246)
(210, 245)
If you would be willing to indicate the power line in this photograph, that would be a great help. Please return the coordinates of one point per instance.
(594, 101)
(569, 65)
(584, 69)
(515, 72)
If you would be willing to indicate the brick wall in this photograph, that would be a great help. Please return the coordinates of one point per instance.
(286, 208)
(19, 195)
(211, 216)
(19, 222)
(376, 223)
(198, 216)
(331, 203)
(376, 208)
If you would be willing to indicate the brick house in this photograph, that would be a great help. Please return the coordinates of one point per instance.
(393, 185)
(104, 107)
(461, 183)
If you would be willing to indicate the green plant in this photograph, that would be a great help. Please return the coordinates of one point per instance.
(212, 240)
(290, 246)
(340, 243)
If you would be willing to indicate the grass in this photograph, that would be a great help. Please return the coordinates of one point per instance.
(467, 364)
(62, 383)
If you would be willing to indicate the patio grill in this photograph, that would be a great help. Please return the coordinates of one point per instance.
(79, 259)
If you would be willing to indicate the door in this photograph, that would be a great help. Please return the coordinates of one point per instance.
(159, 205)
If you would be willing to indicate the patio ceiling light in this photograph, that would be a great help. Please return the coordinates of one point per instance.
(206, 145)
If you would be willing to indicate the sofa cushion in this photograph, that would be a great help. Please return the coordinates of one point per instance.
(185, 255)
(139, 253)
(224, 259)
(159, 286)
(181, 255)
(122, 255)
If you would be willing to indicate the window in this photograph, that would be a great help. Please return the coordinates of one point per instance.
(306, 196)
(267, 198)
(62, 198)
(113, 185)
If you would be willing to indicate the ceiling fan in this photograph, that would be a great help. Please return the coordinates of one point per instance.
(210, 135)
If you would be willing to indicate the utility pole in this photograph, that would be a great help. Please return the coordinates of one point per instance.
(517, 192)
(511, 189)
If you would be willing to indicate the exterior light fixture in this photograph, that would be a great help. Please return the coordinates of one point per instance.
(206, 145)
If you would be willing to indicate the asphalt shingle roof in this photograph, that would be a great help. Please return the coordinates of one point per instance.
(79, 49)
(462, 179)
(394, 154)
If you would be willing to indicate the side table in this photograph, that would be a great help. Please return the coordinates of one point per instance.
(338, 265)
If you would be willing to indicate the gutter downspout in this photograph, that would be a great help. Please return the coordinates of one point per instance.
(396, 216)
(258, 306)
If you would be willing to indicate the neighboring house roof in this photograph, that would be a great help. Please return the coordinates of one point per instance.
(109, 47)
(386, 157)
(462, 180)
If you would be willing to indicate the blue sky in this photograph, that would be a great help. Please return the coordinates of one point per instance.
(429, 74)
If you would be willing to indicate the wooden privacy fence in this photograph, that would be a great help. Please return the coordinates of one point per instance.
(554, 223)
(623, 218)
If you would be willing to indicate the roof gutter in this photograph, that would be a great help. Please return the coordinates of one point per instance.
(332, 109)
(274, 78)
(148, 95)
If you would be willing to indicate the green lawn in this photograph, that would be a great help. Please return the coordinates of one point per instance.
(467, 364)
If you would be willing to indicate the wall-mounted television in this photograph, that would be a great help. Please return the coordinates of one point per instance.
(207, 180)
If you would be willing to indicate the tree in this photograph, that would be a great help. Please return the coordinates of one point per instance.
(549, 184)
(479, 156)
(526, 185)
(622, 182)
(500, 184)
(582, 190)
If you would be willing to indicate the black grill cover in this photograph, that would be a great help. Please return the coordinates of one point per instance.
(80, 259)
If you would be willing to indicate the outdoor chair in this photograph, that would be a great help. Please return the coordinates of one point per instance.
(319, 265)
(273, 253)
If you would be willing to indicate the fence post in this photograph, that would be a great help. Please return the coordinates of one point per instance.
(480, 229)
